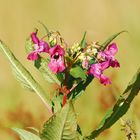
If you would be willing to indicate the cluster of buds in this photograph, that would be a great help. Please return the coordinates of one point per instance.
(67, 60)
(90, 51)
(75, 48)
(88, 55)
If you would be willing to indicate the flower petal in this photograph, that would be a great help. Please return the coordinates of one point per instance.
(105, 65)
(95, 70)
(114, 63)
(104, 80)
(33, 56)
(112, 49)
(34, 38)
(56, 65)
(45, 46)
(57, 49)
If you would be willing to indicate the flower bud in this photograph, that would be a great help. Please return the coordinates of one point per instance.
(82, 57)
(52, 41)
(94, 51)
(75, 48)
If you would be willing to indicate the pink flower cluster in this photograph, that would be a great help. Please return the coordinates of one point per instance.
(92, 61)
(56, 53)
(106, 60)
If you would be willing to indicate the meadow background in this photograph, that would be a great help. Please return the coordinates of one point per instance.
(100, 18)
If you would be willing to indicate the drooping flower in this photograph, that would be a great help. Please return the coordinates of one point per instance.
(39, 46)
(109, 55)
(97, 71)
(57, 63)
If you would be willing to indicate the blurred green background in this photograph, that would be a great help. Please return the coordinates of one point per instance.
(100, 18)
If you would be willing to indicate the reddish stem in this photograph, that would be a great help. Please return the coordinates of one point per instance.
(64, 99)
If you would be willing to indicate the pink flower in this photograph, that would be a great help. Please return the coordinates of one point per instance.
(57, 50)
(57, 63)
(108, 55)
(97, 71)
(39, 45)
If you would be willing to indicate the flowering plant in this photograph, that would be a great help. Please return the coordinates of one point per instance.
(71, 69)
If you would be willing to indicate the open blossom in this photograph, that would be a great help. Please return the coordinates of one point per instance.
(57, 59)
(39, 46)
(97, 71)
(56, 65)
(106, 59)
(108, 55)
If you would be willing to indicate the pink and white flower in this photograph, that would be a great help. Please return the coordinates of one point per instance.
(39, 46)
(97, 71)
(57, 63)
(106, 59)
(109, 55)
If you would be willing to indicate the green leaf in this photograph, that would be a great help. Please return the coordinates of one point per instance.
(109, 40)
(61, 77)
(25, 135)
(57, 102)
(81, 87)
(21, 80)
(83, 41)
(61, 126)
(24, 75)
(78, 72)
(42, 65)
(120, 108)
(33, 129)
(79, 133)
(29, 46)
